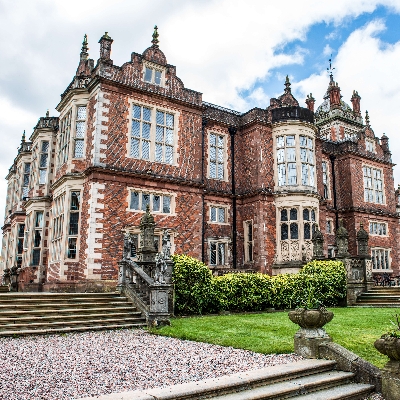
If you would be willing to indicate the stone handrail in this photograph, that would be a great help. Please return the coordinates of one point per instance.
(148, 288)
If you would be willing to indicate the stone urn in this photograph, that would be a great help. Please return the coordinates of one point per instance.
(389, 346)
(311, 333)
(311, 318)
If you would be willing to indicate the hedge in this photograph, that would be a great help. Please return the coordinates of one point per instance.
(198, 292)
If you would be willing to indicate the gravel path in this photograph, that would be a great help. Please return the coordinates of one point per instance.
(93, 363)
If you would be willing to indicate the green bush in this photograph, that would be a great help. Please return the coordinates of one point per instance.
(197, 291)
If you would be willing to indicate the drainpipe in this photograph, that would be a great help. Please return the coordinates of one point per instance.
(203, 230)
(232, 132)
(332, 158)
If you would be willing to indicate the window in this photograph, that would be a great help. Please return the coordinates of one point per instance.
(37, 237)
(307, 161)
(20, 243)
(378, 228)
(329, 226)
(380, 259)
(43, 162)
(158, 235)
(152, 139)
(373, 185)
(57, 227)
(73, 228)
(152, 75)
(331, 252)
(63, 139)
(325, 180)
(217, 253)
(80, 132)
(218, 214)
(217, 150)
(369, 145)
(286, 156)
(25, 183)
(158, 202)
(248, 241)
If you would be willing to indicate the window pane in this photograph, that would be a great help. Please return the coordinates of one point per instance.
(213, 214)
(156, 202)
(311, 175)
(146, 114)
(281, 174)
(303, 141)
(220, 171)
(304, 174)
(148, 74)
(37, 238)
(42, 176)
(221, 214)
(284, 232)
(27, 168)
(292, 175)
(169, 120)
(293, 214)
(169, 137)
(71, 248)
(39, 220)
(36, 257)
(280, 142)
(284, 216)
(134, 201)
(220, 141)
(78, 148)
(75, 197)
(213, 253)
(135, 148)
(145, 200)
(160, 117)
(81, 113)
(145, 150)
(307, 232)
(306, 214)
(157, 78)
(213, 139)
(80, 129)
(136, 112)
(290, 142)
(135, 128)
(159, 134)
(221, 253)
(280, 155)
(43, 160)
(45, 147)
(146, 131)
(159, 151)
(167, 204)
(312, 215)
(291, 154)
(294, 231)
(213, 153)
(169, 151)
(213, 170)
(220, 154)
(303, 155)
(73, 223)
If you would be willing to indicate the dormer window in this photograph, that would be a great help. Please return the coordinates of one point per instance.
(152, 75)
(369, 145)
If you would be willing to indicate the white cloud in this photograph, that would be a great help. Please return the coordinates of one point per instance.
(220, 47)
(327, 50)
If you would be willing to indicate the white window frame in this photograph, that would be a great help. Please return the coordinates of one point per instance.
(57, 229)
(152, 137)
(153, 67)
(43, 169)
(248, 227)
(371, 228)
(218, 209)
(141, 208)
(370, 145)
(373, 183)
(217, 161)
(216, 245)
(382, 252)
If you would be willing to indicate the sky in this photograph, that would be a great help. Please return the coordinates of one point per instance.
(236, 52)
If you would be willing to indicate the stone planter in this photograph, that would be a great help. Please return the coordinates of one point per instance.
(311, 334)
(310, 319)
(390, 347)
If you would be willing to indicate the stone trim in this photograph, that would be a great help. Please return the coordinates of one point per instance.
(99, 129)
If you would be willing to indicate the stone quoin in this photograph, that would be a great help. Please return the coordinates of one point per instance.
(240, 191)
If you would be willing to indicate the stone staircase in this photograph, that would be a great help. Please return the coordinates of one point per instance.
(380, 296)
(42, 313)
(302, 380)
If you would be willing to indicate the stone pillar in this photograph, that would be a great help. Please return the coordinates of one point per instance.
(318, 244)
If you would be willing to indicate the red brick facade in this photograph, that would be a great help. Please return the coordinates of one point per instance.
(230, 216)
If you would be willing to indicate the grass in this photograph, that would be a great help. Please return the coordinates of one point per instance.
(269, 333)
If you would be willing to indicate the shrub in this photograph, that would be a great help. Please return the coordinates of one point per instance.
(197, 291)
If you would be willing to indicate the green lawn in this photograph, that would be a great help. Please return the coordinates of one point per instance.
(354, 328)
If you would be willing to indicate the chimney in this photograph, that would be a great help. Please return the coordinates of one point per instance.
(105, 48)
(310, 101)
(334, 94)
(355, 100)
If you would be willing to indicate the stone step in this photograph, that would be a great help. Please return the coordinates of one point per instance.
(377, 305)
(73, 323)
(351, 391)
(30, 295)
(293, 388)
(74, 299)
(56, 305)
(70, 329)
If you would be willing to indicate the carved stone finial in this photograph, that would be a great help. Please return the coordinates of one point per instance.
(85, 47)
(366, 118)
(318, 243)
(47, 113)
(362, 241)
(287, 85)
(147, 250)
(342, 241)
(155, 40)
(23, 137)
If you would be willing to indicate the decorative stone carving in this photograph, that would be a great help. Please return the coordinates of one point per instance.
(368, 269)
(7, 276)
(311, 319)
(342, 241)
(147, 251)
(318, 243)
(127, 246)
(362, 242)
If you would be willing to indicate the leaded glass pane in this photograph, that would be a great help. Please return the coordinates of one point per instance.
(221, 253)
(26, 179)
(220, 154)
(213, 170)
(303, 155)
(303, 141)
(146, 131)
(160, 117)
(213, 153)
(169, 152)
(221, 214)
(156, 202)
(310, 156)
(306, 214)
(73, 223)
(146, 114)
(71, 248)
(25, 191)
(220, 141)
(135, 148)
(220, 171)
(78, 148)
(167, 204)
(81, 114)
(157, 77)
(290, 141)
(169, 136)
(312, 215)
(43, 160)
(280, 155)
(294, 231)
(284, 216)
(159, 151)
(136, 112)
(284, 232)
(45, 147)
(75, 199)
(169, 120)
(213, 253)
(27, 168)
(281, 174)
(80, 129)
(148, 74)
(293, 214)
(307, 231)
(37, 238)
(136, 129)
(213, 140)
(292, 175)
(280, 141)
(145, 200)
(310, 143)
(304, 174)
(213, 214)
(159, 134)
(42, 176)
(36, 257)
(145, 150)
(134, 201)
(39, 219)
(291, 154)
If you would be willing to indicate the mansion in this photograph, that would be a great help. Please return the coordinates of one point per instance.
(236, 190)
